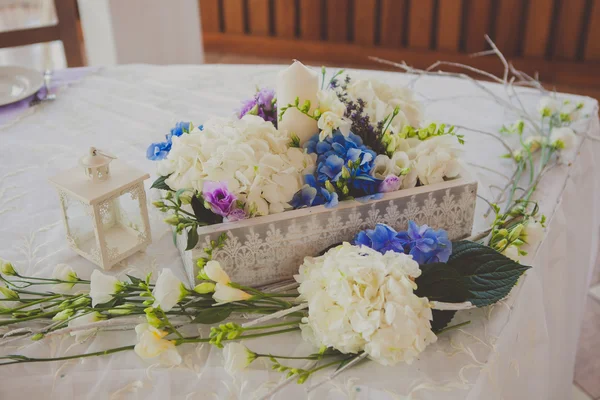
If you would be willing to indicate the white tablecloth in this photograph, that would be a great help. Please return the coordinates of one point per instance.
(523, 348)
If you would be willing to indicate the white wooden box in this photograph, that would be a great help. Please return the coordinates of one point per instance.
(270, 249)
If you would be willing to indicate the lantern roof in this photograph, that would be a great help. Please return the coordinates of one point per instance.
(77, 184)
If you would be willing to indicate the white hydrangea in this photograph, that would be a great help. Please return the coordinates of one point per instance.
(437, 158)
(361, 300)
(381, 99)
(249, 154)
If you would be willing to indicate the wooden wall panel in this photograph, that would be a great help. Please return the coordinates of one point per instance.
(365, 12)
(258, 17)
(392, 22)
(285, 18)
(449, 22)
(570, 26)
(537, 28)
(508, 26)
(337, 20)
(233, 14)
(209, 14)
(420, 20)
(310, 19)
(592, 45)
(477, 24)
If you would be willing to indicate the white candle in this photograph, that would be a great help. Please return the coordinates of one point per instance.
(298, 81)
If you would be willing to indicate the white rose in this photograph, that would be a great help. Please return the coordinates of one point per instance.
(168, 291)
(237, 357)
(548, 106)
(103, 287)
(402, 163)
(65, 273)
(563, 138)
(151, 345)
(437, 158)
(84, 318)
(382, 167)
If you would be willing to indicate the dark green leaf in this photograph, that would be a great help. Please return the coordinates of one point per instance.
(203, 214)
(441, 319)
(160, 183)
(212, 315)
(192, 237)
(474, 273)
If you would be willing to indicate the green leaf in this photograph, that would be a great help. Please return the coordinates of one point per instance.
(441, 319)
(474, 273)
(192, 239)
(160, 183)
(212, 315)
(203, 214)
(134, 280)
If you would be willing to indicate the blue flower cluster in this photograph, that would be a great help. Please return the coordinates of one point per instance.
(344, 166)
(425, 244)
(160, 150)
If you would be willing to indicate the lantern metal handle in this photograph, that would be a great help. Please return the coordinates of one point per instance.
(94, 152)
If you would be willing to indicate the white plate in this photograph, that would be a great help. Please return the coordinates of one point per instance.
(17, 83)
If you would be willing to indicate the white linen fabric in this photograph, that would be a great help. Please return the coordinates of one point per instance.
(521, 348)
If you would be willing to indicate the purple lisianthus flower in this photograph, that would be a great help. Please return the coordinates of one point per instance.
(237, 214)
(425, 244)
(391, 183)
(158, 151)
(262, 104)
(220, 200)
(382, 239)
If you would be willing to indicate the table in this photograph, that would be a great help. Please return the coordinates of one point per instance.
(522, 348)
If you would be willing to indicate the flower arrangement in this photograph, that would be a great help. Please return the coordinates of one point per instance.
(373, 298)
(368, 140)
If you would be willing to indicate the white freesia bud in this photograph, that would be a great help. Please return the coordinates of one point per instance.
(7, 268)
(512, 252)
(533, 232)
(548, 106)
(151, 344)
(563, 138)
(8, 293)
(103, 287)
(64, 272)
(84, 318)
(237, 357)
(204, 288)
(168, 291)
(215, 273)
(227, 294)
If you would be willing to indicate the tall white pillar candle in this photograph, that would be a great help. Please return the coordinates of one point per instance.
(298, 81)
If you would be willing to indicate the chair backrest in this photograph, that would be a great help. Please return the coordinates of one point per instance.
(558, 38)
(66, 30)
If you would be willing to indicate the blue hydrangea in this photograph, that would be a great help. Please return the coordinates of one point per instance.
(382, 239)
(160, 150)
(313, 194)
(425, 244)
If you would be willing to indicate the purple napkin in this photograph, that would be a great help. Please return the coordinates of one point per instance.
(59, 78)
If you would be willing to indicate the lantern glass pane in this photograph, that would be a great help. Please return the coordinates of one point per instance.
(122, 223)
(80, 225)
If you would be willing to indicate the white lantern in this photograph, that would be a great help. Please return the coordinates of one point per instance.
(104, 208)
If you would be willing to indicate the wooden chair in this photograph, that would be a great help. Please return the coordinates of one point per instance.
(66, 30)
(560, 39)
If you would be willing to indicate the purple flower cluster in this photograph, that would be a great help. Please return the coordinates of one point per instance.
(423, 243)
(159, 150)
(263, 104)
(221, 201)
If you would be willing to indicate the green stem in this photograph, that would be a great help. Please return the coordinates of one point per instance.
(23, 359)
(14, 321)
(449, 328)
(32, 303)
(254, 335)
(296, 322)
